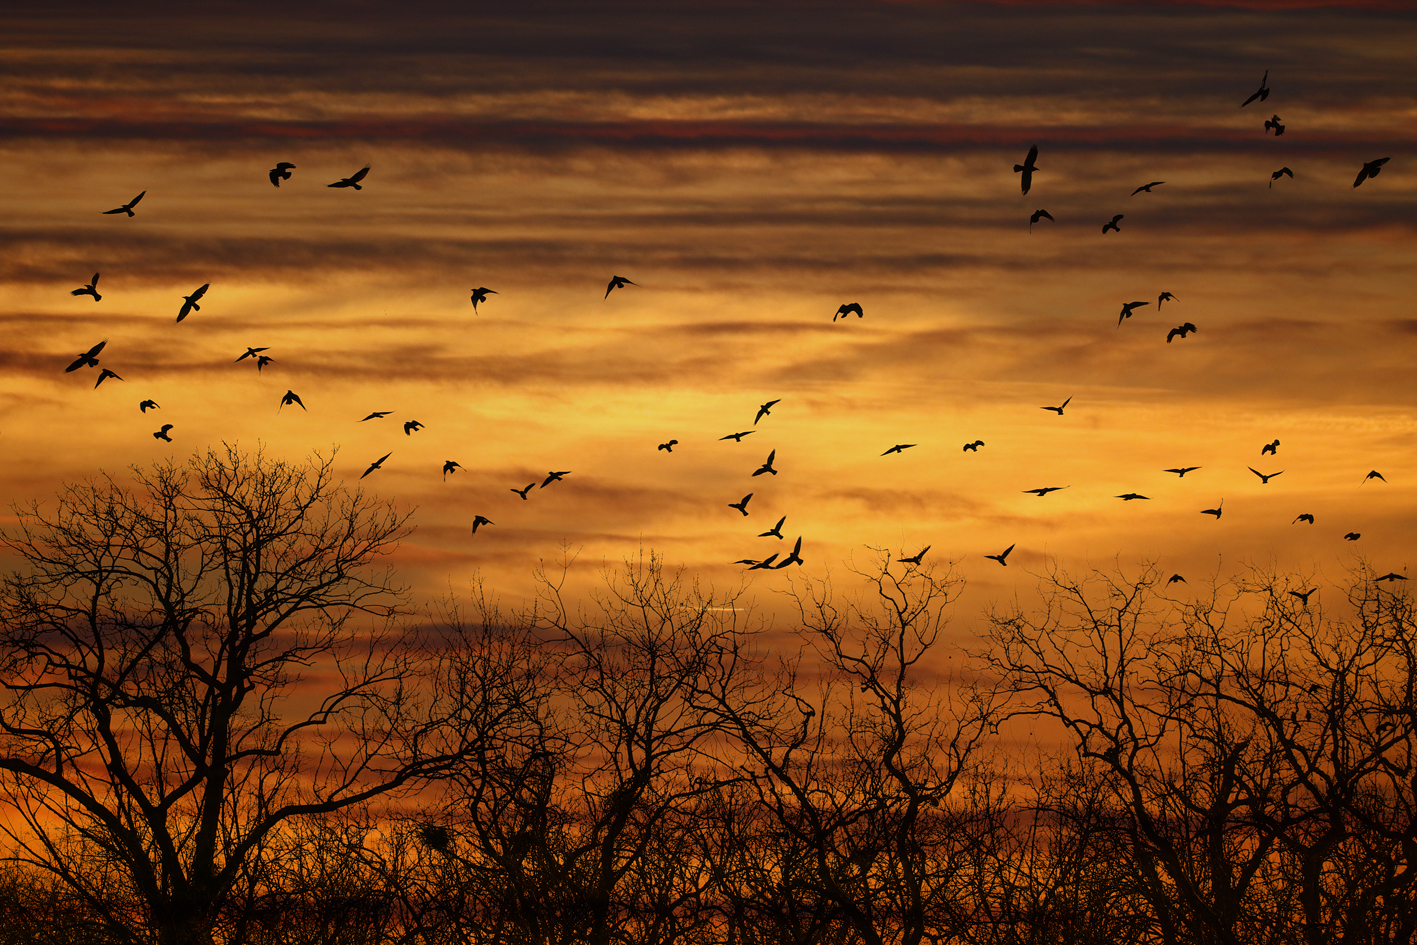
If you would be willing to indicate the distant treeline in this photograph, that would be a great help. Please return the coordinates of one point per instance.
(1232, 765)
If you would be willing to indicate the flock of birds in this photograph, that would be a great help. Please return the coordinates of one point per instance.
(1027, 170)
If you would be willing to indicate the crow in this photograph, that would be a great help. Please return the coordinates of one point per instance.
(144, 405)
(523, 492)
(1039, 215)
(376, 464)
(88, 359)
(554, 477)
(1112, 224)
(848, 309)
(1182, 330)
(411, 426)
(480, 294)
(1303, 517)
(974, 447)
(128, 207)
(915, 559)
(352, 180)
(1182, 470)
(1027, 168)
(1264, 479)
(280, 172)
(1147, 187)
(742, 505)
(104, 375)
(1261, 94)
(738, 437)
(1059, 410)
(767, 466)
(449, 466)
(290, 397)
(189, 304)
(775, 531)
(1000, 557)
(667, 447)
(1370, 169)
(377, 415)
(90, 289)
(899, 447)
(1215, 511)
(162, 434)
(617, 282)
(1282, 172)
(765, 410)
(481, 520)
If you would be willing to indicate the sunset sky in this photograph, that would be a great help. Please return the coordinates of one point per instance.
(751, 166)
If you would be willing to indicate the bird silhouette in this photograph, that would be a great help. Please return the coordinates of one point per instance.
(1001, 556)
(1164, 297)
(1370, 169)
(1271, 448)
(765, 564)
(352, 180)
(1176, 578)
(1112, 224)
(90, 289)
(1374, 474)
(1058, 410)
(290, 397)
(738, 437)
(554, 477)
(1274, 123)
(1182, 330)
(449, 466)
(1303, 517)
(741, 505)
(1352, 536)
(162, 434)
(898, 448)
(1303, 595)
(1262, 93)
(376, 464)
(250, 353)
(775, 531)
(1027, 168)
(411, 426)
(280, 172)
(765, 410)
(667, 447)
(1147, 187)
(917, 557)
(848, 309)
(1045, 490)
(377, 415)
(1215, 511)
(1127, 308)
(523, 492)
(189, 303)
(1282, 172)
(262, 361)
(145, 404)
(88, 359)
(480, 294)
(104, 375)
(754, 563)
(1264, 479)
(1391, 576)
(974, 447)
(767, 466)
(1182, 470)
(1039, 215)
(479, 521)
(1132, 495)
(617, 282)
(127, 207)
(793, 558)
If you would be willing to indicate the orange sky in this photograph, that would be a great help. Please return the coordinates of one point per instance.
(751, 167)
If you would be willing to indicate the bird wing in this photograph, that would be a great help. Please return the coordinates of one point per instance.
(358, 176)
(1006, 552)
(1032, 156)
(275, 176)
(134, 202)
(1066, 402)
(771, 457)
(1173, 333)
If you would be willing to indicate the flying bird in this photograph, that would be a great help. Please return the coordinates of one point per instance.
(523, 492)
(1000, 557)
(1282, 172)
(1039, 215)
(1262, 93)
(738, 437)
(189, 303)
(1045, 490)
(1127, 308)
(104, 375)
(145, 404)
(262, 361)
(1271, 448)
(480, 294)
(481, 520)
(128, 207)
(1264, 479)
(1027, 168)
(617, 282)
(1303, 517)
(1374, 474)
(1147, 187)
(377, 415)
(793, 558)
(1391, 576)
(1303, 595)
(1182, 330)
(775, 531)
(767, 466)
(742, 505)
(90, 289)
(1352, 536)
(290, 397)
(1182, 470)
(450, 466)
(916, 558)
(352, 180)
(1273, 123)
(974, 447)
(1215, 511)
(88, 359)
(250, 353)
(554, 477)
(765, 410)
(411, 426)
(281, 172)
(162, 434)
(847, 309)
(1177, 578)
(1059, 410)
(1112, 224)
(899, 447)
(667, 447)
(1164, 297)
(1132, 495)
(1370, 169)
(376, 464)
(756, 565)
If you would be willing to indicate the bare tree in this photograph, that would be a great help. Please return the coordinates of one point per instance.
(192, 661)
